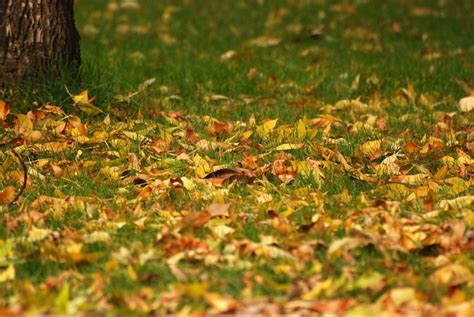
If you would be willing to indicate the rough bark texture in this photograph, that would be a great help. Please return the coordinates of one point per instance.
(36, 37)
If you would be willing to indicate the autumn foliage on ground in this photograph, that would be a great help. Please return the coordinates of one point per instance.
(362, 209)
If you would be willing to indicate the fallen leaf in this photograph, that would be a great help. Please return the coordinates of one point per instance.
(372, 149)
(83, 102)
(457, 203)
(23, 124)
(228, 175)
(228, 55)
(284, 170)
(8, 274)
(466, 104)
(7, 195)
(452, 275)
(220, 303)
(288, 146)
(345, 244)
(219, 210)
(264, 129)
(4, 110)
(265, 41)
(37, 234)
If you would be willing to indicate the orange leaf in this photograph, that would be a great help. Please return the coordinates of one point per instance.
(7, 195)
(4, 110)
(411, 148)
(57, 170)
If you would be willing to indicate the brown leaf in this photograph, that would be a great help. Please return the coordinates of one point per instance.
(453, 240)
(160, 146)
(219, 210)
(145, 193)
(195, 219)
(336, 306)
(466, 86)
(229, 175)
(57, 170)
(219, 128)
(284, 170)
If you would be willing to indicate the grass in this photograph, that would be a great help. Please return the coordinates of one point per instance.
(122, 220)
(366, 44)
(382, 45)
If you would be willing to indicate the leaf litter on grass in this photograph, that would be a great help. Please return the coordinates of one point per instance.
(362, 209)
(147, 216)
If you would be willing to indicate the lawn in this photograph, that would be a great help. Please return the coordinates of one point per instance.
(251, 157)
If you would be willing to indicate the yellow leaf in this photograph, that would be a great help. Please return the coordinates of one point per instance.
(97, 236)
(246, 135)
(416, 179)
(23, 124)
(387, 169)
(134, 136)
(412, 238)
(464, 158)
(265, 129)
(107, 120)
(372, 149)
(6, 251)
(275, 252)
(132, 275)
(369, 280)
(61, 303)
(288, 146)
(458, 186)
(264, 198)
(37, 234)
(89, 108)
(188, 183)
(201, 165)
(265, 41)
(318, 289)
(301, 130)
(194, 290)
(220, 303)
(220, 230)
(112, 172)
(83, 102)
(402, 295)
(452, 275)
(83, 96)
(8, 274)
(456, 203)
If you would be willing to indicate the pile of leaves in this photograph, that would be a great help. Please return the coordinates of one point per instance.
(350, 212)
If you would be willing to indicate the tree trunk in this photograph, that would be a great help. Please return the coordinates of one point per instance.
(37, 37)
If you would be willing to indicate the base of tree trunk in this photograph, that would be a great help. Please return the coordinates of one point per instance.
(37, 38)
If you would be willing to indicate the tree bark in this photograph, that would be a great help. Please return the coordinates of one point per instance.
(37, 37)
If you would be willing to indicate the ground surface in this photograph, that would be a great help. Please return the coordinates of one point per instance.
(247, 156)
